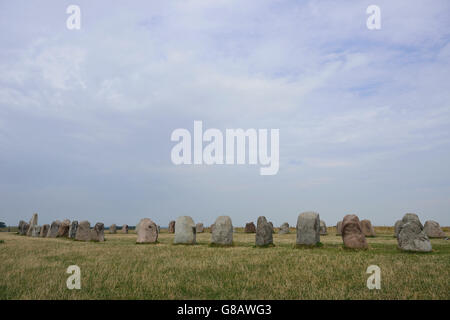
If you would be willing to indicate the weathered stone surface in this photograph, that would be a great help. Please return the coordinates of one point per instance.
(159, 229)
(36, 231)
(148, 231)
(433, 230)
(44, 230)
(125, 229)
(397, 226)
(199, 227)
(53, 230)
(339, 228)
(284, 228)
(83, 232)
(352, 234)
(263, 232)
(185, 230)
(273, 228)
(63, 230)
(73, 229)
(223, 231)
(25, 229)
(411, 236)
(113, 229)
(323, 228)
(367, 228)
(172, 226)
(33, 222)
(211, 228)
(308, 228)
(20, 226)
(98, 232)
(250, 227)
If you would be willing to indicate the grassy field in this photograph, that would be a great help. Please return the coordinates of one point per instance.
(35, 268)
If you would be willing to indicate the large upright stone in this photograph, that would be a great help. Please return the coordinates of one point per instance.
(124, 229)
(433, 230)
(323, 228)
(222, 232)
(172, 226)
(148, 231)
(284, 228)
(83, 231)
(199, 228)
(308, 228)
(113, 229)
(411, 236)
(63, 231)
(397, 226)
(20, 226)
(44, 230)
(98, 232)
(33, 222)
(250, 228)
(352, 234)
(263, 232)
(185, 230)
(367, 228)
(339, 228)
(53, 230)
(25, 229)
(36, 231)
(73, 229)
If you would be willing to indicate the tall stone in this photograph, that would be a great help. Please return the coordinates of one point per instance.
(339, 228)
(397, 226)
(83, 232)
(250, 228)
(352, 234)
(63, 230)
(125, 229)
(33, 222)
(172, 226)
(367, 228)
(323, 228)
(20, 226)
(113, 229)
(148, 231)
(44, 230)
(433, 230)
(263, 232)
(308, 228)
(98, 232)
(284, 228)
(222, 232)
(53, 230)
(199, 228)
(73, 229)
(185, 230)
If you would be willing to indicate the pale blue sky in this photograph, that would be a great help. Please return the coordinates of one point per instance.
(86, 116)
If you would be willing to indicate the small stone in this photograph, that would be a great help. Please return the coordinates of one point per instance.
(223, 231)
(185, 230)
(284, 228)
(172, 226)
(125, 229)
(211, 228)
(148, 231)
(263, 232)
(98, 232)
(308, 228)
(323, 228)
(250, 228)
(367, 228)
(113, 229)
(339, 228)
(433, 230)
(199, 227)
(83, 232)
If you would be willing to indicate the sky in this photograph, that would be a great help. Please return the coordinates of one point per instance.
(86, 115)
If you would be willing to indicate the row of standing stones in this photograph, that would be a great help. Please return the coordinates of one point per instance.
(410, 233)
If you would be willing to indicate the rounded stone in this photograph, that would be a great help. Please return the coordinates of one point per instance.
(352, 234)
(308, 228)
(185, 230)
(367, 228)
(222, 233)
(83, 232)
(148, 231)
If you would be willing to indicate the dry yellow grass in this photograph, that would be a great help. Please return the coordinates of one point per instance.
(35, 268)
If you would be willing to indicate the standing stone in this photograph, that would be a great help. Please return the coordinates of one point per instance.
(185, 230)
(433, 230)
(33, 222)
(271, 224)
(148, 231)
(339, 228)
(263, 232)
(63, 231)
(113, 229)
(73, 229)
(26, 226)
(367, 228)
(36, 231)
(411, 236)
(308, 228)
(352, 234)
(98, 232)
(172, 226)
(125, 229)
(83, 232)
(53, 230)
(199, 228)
(211, 228)
(44, 230)
(250, 228)
(284, 228)
(159, 229)
(20, 226)
(323, 228)
(397, 226)
(223, 231)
